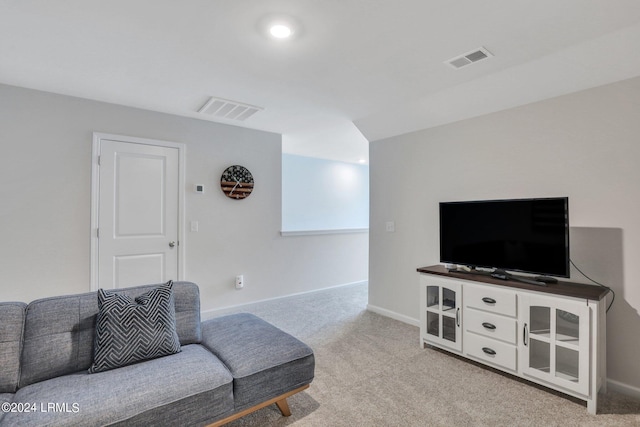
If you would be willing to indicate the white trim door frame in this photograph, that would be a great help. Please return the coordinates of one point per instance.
(101, 140)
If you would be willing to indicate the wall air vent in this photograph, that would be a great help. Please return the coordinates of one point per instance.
(226, 109)
(468, 58)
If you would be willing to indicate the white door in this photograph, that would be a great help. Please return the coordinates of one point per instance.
(137, 213)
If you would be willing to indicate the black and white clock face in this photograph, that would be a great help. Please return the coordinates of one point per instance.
(236, 182)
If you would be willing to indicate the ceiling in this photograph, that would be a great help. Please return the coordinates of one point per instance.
(355, 71)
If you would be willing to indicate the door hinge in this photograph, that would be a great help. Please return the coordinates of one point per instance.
(99, 160)
(98, 233)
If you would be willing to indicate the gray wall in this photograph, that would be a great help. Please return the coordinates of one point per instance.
(584, 145)
(320, 194)
(45, 203)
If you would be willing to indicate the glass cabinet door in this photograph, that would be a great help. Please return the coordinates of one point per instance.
(443, 313)
(556, 340)
(433, 311)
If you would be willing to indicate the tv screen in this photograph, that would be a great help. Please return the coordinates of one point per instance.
(526, 235)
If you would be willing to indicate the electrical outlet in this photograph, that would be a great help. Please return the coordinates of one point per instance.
(239, 281)
(391, 226)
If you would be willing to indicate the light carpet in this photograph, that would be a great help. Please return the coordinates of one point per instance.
(371, 371)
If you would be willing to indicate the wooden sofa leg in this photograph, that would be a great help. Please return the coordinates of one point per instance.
(281, 401)
(284, 407)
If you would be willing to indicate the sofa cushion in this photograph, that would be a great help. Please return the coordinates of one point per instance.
(11, 329)
(129, 331)
(132, 394)
(59, 331)
(265, 362)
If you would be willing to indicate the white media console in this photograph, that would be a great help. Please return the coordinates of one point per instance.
(552, 335)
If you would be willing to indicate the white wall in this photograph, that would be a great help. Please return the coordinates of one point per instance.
(45, 202)
(584, 145)
(319, 194)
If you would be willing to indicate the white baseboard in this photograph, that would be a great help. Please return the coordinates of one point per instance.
(207, 314)
(623, 388)
(393, 315)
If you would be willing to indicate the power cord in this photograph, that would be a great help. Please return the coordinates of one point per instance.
(597, 283)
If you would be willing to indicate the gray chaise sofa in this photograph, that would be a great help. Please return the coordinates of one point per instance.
(226, 367)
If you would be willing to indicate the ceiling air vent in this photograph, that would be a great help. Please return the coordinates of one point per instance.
(468, 58)
(226, 109)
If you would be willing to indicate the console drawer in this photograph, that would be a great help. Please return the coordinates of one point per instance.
(491, 325)
(491, 299)
(490, 351)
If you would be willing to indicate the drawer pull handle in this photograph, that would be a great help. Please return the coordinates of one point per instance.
(489, 325)
(489, 351)
(489, 300)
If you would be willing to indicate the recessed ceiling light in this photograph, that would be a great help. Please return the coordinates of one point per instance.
(280, 31)
(279, 27)
(362, 161)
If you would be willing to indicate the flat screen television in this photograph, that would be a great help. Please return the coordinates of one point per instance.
(525, 235)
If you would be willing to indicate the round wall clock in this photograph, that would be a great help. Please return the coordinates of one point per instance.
(236, 182)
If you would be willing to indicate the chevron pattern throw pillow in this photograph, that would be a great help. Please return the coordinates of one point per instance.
(129, 331)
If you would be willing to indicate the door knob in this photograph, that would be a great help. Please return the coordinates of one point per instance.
(172, 244)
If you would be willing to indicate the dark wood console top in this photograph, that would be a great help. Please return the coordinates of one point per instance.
(569, 289)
